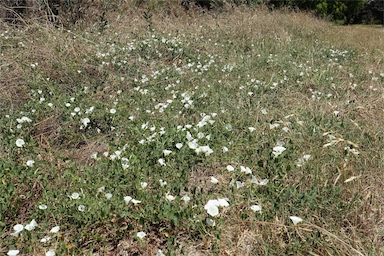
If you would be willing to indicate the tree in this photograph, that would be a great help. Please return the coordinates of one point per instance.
(341, 11)
(372, 13)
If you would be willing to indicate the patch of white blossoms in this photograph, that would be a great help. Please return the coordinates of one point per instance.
(212, 206)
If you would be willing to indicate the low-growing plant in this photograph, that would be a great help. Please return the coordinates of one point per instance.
(251, 134)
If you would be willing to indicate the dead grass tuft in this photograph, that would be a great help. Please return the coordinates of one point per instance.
(13, 88)
(48, 132)
(82, 152)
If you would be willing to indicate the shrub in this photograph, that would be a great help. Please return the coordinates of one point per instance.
(342, 12)
(372, 13)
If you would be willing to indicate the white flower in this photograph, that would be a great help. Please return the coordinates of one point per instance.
(239, 184)
(101, 189)
(13, 252)
(273, 126)
(212, 207)
(81, 208)
(170, 197)
(112, 111)
(228, 127)
(162, 162)
(251, 129)
(45, 239)
(186, 198)
(141, 234)
(214, 180)
(75, 195)
(192, 144)
(20, 143)
(223, 202)
(230, 168)
(90, 110)
(134, 201)
(143, 184)
(118, 153)
(296, 220)
(246, 170)
(94, 155)
(125, 163)
(261, 183)
(43, 206)
(210, 222)
(51, 252)
(18, 228)
(225, 149)
(167, 152)
(85, 121)
(30, 163)
(55, 229)
(127, 199)
(204, 149)
(23, 119)
(278, 150)
(302, 160)
(162, 183)
(255, 208)
(108, 195)
(159, 253)
(179, 145)
(31, 226)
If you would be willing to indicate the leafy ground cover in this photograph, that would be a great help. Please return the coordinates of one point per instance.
(235, 133)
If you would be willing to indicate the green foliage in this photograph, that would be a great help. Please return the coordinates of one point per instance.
(372, 13)
(342, 11)
(138, 130)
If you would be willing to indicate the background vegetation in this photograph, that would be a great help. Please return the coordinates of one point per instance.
(341, 12)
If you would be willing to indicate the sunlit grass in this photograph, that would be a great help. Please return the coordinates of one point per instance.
(259, 135)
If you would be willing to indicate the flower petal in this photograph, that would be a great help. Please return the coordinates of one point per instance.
(255, 208)
(296, 220)
(141, 234)
(55, 229)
